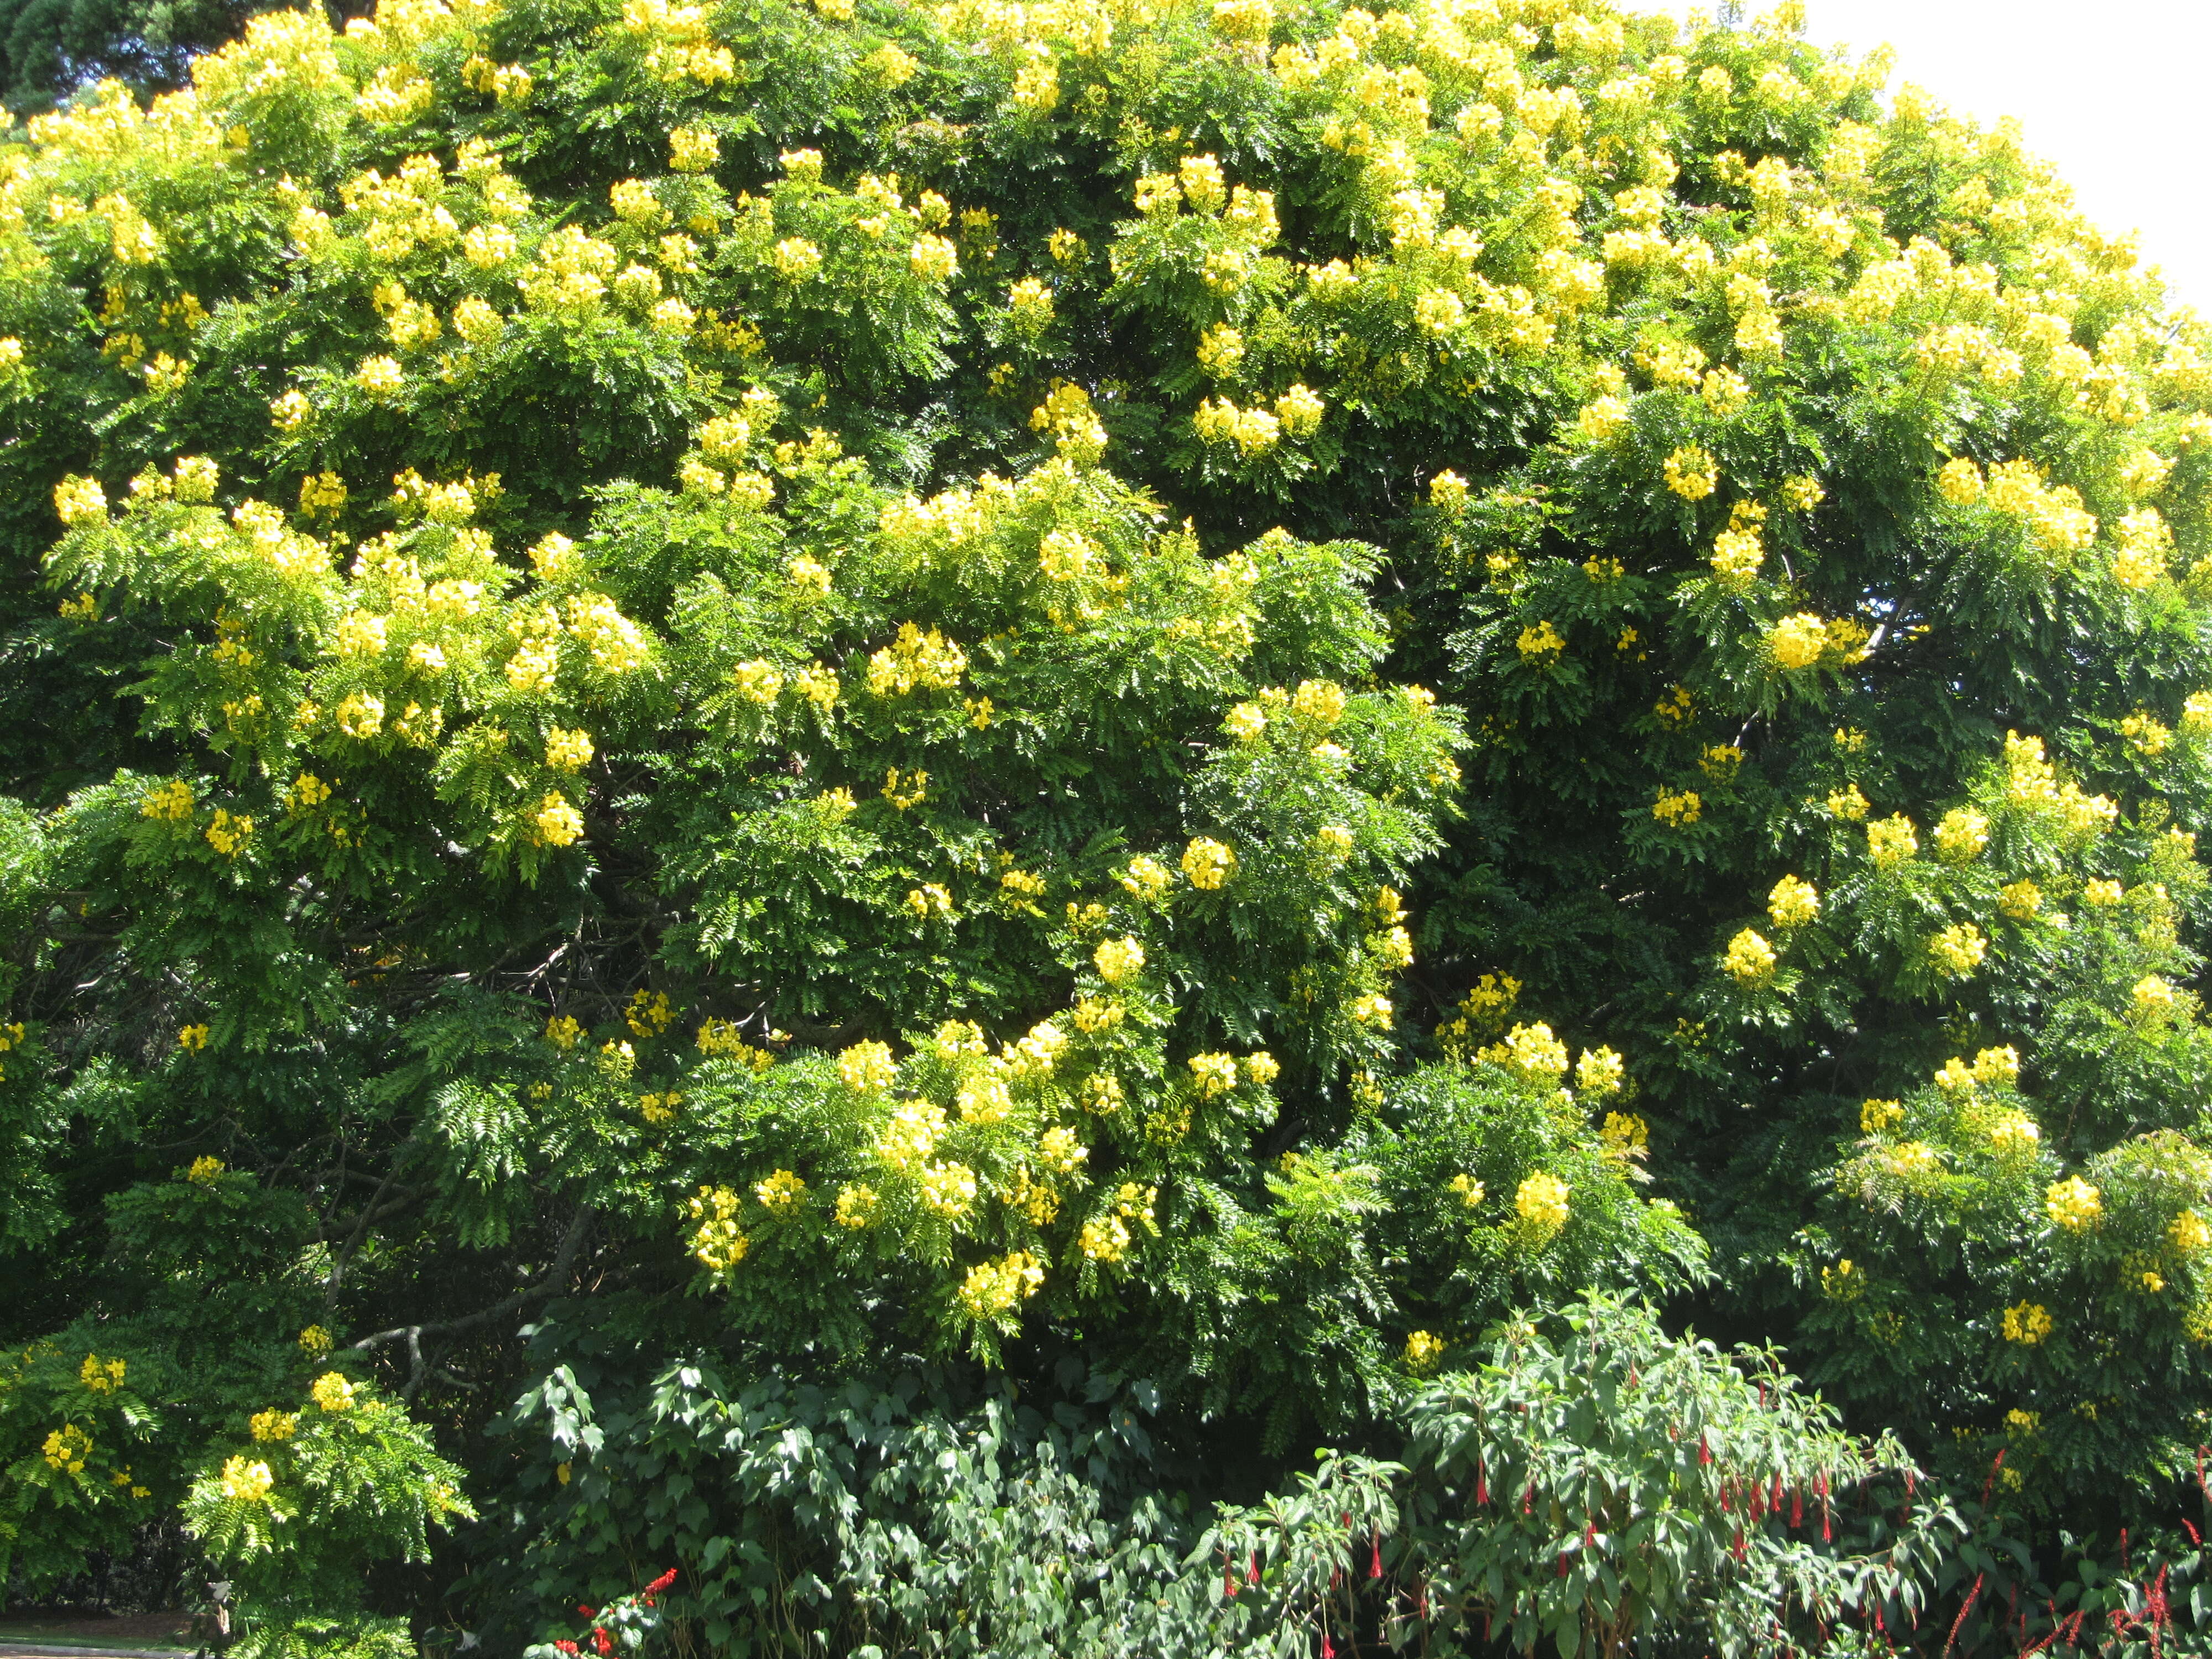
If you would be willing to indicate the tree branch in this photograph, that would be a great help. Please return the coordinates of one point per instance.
(549, 1284)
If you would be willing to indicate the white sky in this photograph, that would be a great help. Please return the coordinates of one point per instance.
(2113, 94)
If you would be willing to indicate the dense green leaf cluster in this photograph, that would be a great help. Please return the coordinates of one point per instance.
(1151, 707)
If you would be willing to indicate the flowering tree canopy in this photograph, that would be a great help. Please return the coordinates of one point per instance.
(740, 719)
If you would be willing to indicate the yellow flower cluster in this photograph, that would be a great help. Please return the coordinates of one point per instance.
(1541, 1204)
(1959, 948)
(2026, 1323)
(1601, 1072)
(2074, 1204)
(1208, 864)
(1540, 644)
(273, 1425)
(916, 660)
(246, 1481)
(1677, 809)
(102, 1378)
(332, 1392)
(1750, 959)
(994, 1288)
(66, 1449)
(1691, 473)
(867, 1068)
(1793, 903)
(717, 1241)
(1119, 960)
(1961, 835)
(1892, 841)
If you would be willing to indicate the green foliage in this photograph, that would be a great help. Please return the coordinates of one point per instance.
(1146, 708)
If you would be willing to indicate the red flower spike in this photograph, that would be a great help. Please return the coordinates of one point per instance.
(1481, 1486)
(1529, 1499)
(1774, 1499)
(1737, 1548)
(1563, 1564)
(1229, 1584)
(1327, 1649)
(586, 1612)
(1797, 1506)
(1375, 1565)
(599, 1641)
(1704, 1451)
(662, 1582)
(1252, 1573)
(566, 1646)
(2191, 1531)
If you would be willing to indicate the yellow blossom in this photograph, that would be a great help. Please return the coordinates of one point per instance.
(2026, 1323)
(867, 1068)
(1691, 473)
(2074, 1204)
(1793, 903)
(1750, 959)
(1540, 644)
(1959, 948)
(782, 1194)
(1541, 1203)
(1797, 641)
(246, 1481)
(1892, 841)
(1962, 835)
(273, 1425)
(857, 1205)
(1208, 865)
